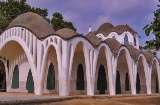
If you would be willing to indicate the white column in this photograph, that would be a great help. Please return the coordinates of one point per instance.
(64, 80)
(112, 65)
(38, 87)
(133, 75)
(148, 78)
(90, 59)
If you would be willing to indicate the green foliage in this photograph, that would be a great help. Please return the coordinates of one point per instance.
(51, 78)
(58, 22)
(15, 78)
(30, 82)
(10, 9)
(155, 27)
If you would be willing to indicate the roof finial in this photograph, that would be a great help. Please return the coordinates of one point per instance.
(90, 29)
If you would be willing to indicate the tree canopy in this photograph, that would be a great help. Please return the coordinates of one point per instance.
(155, 27)
(58, 22)
(10, 9)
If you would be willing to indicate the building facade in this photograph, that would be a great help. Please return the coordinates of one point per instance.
(107, 61)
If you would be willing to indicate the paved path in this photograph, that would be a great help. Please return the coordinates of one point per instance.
(25, 98)
(31, 99)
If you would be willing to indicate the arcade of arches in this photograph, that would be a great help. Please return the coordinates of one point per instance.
(41, 60)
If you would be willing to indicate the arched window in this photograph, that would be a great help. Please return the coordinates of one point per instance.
(80, 78)
(51, 77)
(114, 37)
(30, 82)
(138, 84)
(126, 40)
(15, 78)
(135, 41)
(101, 81)
(157, 87)
(118, 83)
(127, 82)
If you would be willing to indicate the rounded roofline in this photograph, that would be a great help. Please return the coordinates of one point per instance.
(107, 28)
(33, 22)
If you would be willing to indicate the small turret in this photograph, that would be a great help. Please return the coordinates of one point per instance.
(90, 29)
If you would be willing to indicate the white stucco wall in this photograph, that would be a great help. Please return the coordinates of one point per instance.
(31, 54)
(120, 38)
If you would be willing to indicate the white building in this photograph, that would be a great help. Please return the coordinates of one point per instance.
(38, 59)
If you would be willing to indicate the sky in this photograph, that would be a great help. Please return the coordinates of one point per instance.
(83, 13)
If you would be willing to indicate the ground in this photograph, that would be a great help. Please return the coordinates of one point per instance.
(31, 99)
(142, 100)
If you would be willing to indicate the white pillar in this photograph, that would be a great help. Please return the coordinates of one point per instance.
(89, 67)
(111, 62)
(64, 79)
(148, 79)
(133, 75)
(38, 89)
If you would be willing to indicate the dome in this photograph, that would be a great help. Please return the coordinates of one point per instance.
(34, 23)
(121, 28)
(105, 28)
(66, 33)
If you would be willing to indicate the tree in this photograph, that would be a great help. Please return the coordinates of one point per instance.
(155, 27)
(10, 9)
(58, 22)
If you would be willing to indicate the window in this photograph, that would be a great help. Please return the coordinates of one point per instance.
(135, 41)
(114, 37)
(30, 82)
(80, 78)
(15, 78)
(51, 78)
(126, 40)
(101, 81)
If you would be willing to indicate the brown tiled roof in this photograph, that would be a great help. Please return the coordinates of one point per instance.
(41, 29)
(91, 36)
(113, 44)
(105, 28)
(66, 33)
(134, 53)
(34, 23)
(149, 56)
(121, 28)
